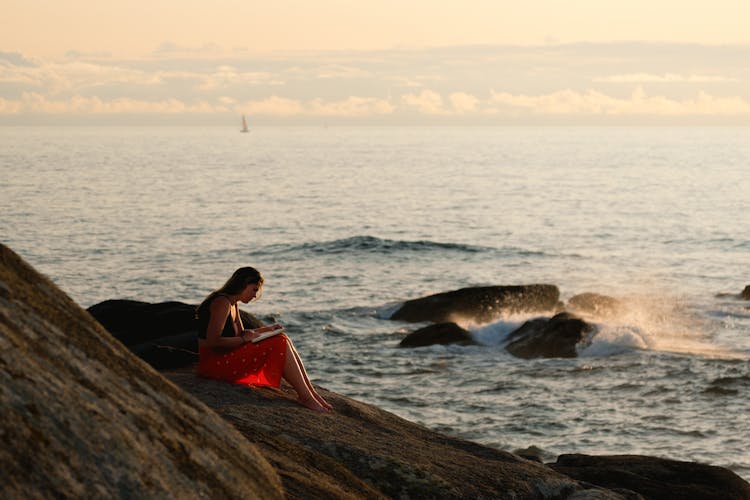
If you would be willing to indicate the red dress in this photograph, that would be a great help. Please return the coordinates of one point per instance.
(260, 363)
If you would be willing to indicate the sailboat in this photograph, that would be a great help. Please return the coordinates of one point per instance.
(244, 125)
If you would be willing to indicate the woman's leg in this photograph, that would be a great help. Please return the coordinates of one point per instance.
(294, 374)
(307, 379)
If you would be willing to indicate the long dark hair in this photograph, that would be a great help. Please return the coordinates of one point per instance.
(235, 284)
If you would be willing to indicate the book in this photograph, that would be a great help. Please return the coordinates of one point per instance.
(272, 331)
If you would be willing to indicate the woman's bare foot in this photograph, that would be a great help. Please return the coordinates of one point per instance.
(322, 401)
(313, 404)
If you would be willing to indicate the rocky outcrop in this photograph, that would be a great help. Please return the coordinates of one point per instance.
(655, 478)
(479, 304)
(594, 304)
(745, 294)
(440, 333)
(556, 337)
(84, 418)
(165, 334)
(361, 451)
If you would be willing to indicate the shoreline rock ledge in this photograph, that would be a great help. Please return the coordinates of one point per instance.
(84, 417)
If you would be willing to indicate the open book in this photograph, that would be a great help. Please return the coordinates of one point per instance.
(267, 332)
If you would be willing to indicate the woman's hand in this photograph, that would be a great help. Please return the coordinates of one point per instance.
(255, 332)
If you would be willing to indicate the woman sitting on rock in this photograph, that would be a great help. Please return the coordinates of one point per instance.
(227, 352)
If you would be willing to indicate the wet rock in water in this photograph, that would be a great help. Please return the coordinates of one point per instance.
(655, 478)
(745, 294)
(165, 334)
(481, 304)
(556, 337)
(533, 453)
(84, 418)
(440, 333)
(594, 303)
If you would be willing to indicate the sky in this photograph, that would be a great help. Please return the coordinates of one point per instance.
(387, 62)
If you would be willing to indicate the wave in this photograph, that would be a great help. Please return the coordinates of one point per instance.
(645, 323)
(371, 244)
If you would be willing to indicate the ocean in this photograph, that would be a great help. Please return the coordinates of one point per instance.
(347, 222)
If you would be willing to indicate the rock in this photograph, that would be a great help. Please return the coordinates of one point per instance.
(594, 303)
(84, 418)
(361, 451)
(745, 293)
(549, 338)
(440, 333)
(480, 304)
(165, 334)
(655, 478)
(533, 453)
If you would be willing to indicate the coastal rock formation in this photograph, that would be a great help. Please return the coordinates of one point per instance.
(165, 335)
(655, 478)
(556, 337)
(440, 333)
(480, 304)
(84, 418)
(745, 294)
(595, 304)
(361, 451)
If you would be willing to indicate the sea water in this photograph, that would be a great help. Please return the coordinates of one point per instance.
(345, 223)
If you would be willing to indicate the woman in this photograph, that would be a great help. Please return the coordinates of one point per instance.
(226, 351)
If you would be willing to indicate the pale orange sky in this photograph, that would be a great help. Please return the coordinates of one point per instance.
(50, 28)
(389, 61)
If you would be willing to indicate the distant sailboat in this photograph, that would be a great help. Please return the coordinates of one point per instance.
(244, 125)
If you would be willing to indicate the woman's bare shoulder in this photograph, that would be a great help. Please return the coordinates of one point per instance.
(220, 304)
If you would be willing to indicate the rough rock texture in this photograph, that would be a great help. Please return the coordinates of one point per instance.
(361, 451)
(165, 335)
(84, 418)
(595, 304)
(745, 294)
(481, 304)
(656, 478)
(440, 333)
(549, 338)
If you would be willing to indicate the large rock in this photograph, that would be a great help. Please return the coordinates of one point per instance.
(656, 478)
(480, 304)
(594, 304)
(361, 451)
(440, 333)
(745, 294)
(556, 337)
(164, 334)
(84, 418)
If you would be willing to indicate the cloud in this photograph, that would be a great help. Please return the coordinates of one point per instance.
(479, 84)
(427, 102)
(227, 76)
(59, 77)
(569, 102)
(171, 49)
(350, 107)
(342, 72)
(32, 102)
(663, 78)
(272, 106)
(463, 102)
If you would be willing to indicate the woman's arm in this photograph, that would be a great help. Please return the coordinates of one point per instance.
(220, 308)
(254, 332)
